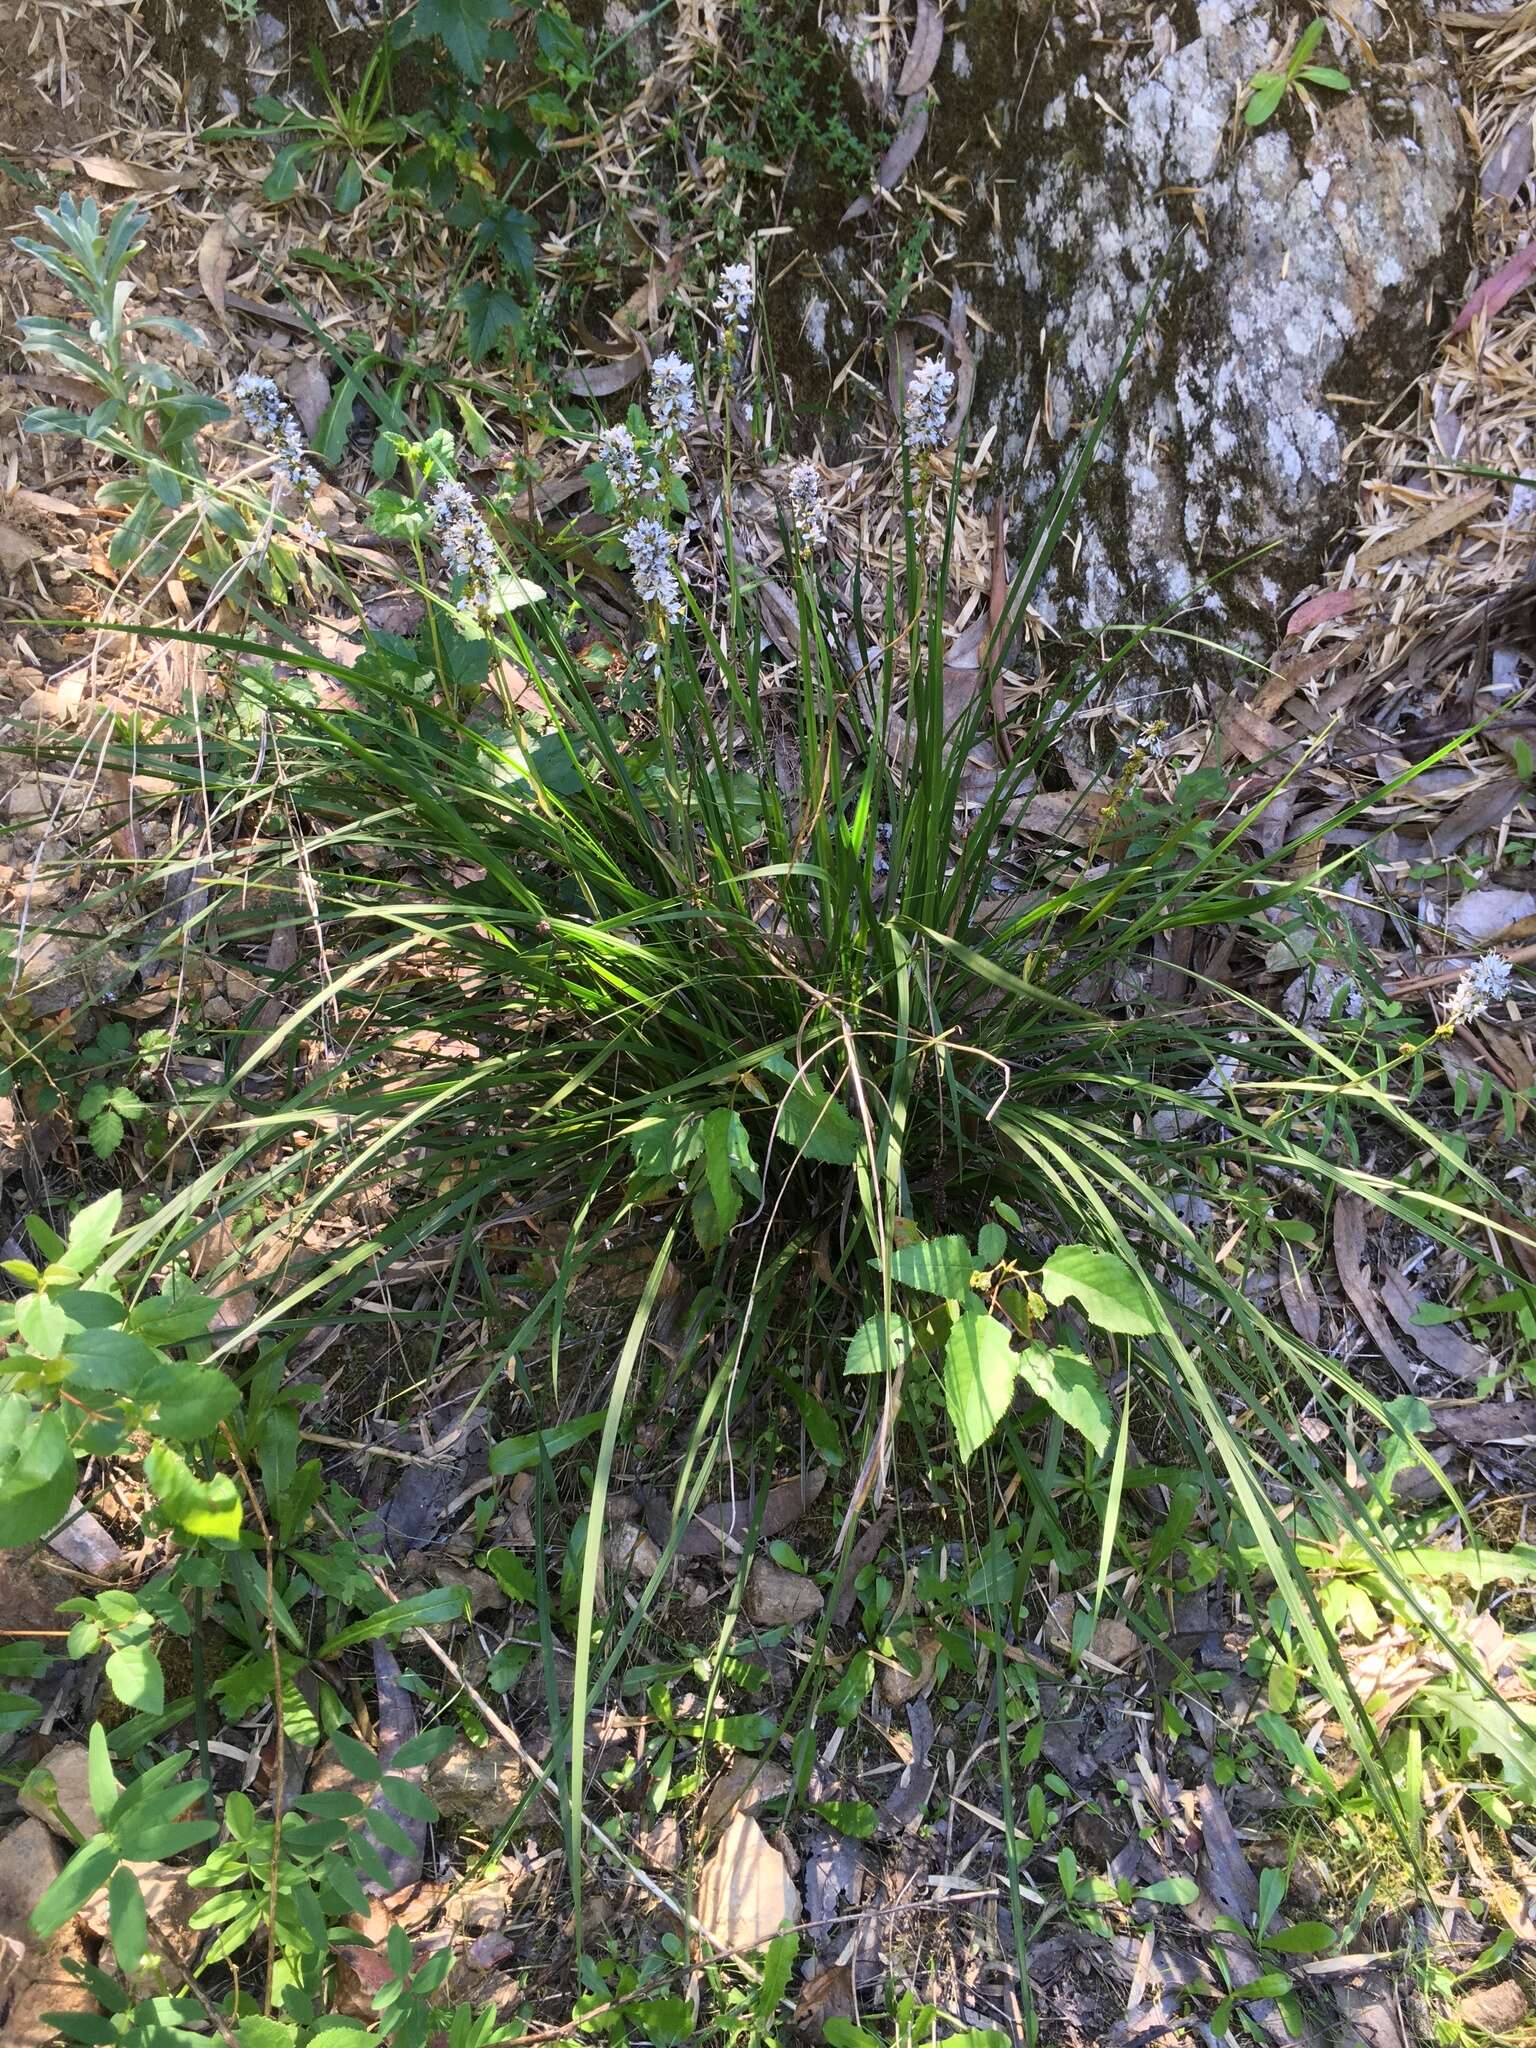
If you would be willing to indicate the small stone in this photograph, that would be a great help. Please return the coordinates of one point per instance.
(743, 1786)
(1494, 2009)
(777, 1598)
(631, 1553)
(29, 1591)
(481, 1786)
(69, 1768)
(1114, 1643)
(28, 801)
(58, 973)
(661, 1844)
(33, 1979)
(899, 1686)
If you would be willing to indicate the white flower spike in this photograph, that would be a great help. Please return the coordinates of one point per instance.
(807, 509)
(930, 392)
(674, 404)
(465, 542)
(650, 556)
(1484, 984)
(733, 301)
(274, 425)
(621, 459)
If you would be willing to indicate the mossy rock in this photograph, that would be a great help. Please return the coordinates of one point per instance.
(1290, 270)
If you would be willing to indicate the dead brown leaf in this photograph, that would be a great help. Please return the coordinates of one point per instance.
(1368, 2003)
(111, 170)
(215, 258)
(1226, 1873)
(910, 137)
(1509, 163)
(745, 1891)
(1480, 812)
(1439, 1343)
(1472, 1425)
(642, 308)
(1328, 604)
(828, 1996)
(865, 1550)
(17, 549)
(602, 380)
(924, 50)
(1068, 814)
(720, 1529)
(1413, 538)
(1495, 292)
(309, 388)
(1299, 1299)
(1349, 1253)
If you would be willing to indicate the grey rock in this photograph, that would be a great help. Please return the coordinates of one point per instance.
(1297, 266)
(777, 1598)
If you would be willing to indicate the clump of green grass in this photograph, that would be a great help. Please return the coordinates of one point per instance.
(808, 1010)
(769, 986)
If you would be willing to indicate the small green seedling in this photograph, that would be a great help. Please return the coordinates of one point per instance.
(1266, 89)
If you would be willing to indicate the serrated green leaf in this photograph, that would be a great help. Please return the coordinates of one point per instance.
(208, 1509)
(41, 1324)
(172, 1317)
(1066, 1382)
(979, 1372)
(463, 27)
(394, 517)
(190, 1400)
(90, 1233)
(665, 1146)
(1109, 1292)
(938, 1265)
(37, 1471)
(134, 1675)
(811, 1122)
(490, 311)
(991, 1244)
(127, 1920)
(105, 1133)
(879, 1343)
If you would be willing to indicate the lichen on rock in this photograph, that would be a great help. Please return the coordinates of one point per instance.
(1291, 269)
(1294, 272)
